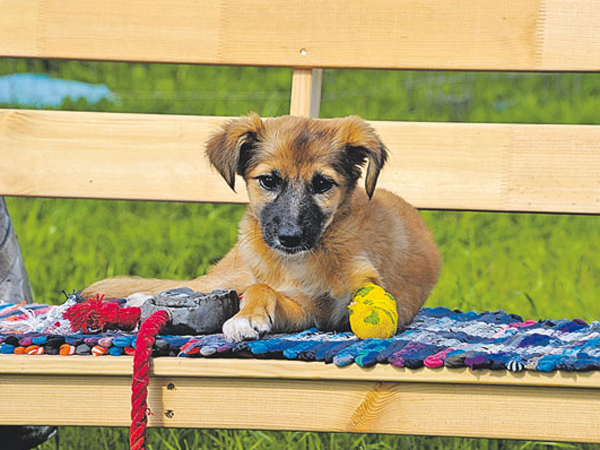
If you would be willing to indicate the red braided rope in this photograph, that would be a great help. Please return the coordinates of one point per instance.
(97, 315)
(141, 369)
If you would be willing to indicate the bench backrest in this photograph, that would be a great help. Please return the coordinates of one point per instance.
(502, 167)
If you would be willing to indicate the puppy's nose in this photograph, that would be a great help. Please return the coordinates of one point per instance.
(290, 236)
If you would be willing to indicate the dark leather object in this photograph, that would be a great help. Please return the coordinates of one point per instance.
(193, 312)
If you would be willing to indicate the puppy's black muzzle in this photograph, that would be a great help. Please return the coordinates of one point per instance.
(293, 222)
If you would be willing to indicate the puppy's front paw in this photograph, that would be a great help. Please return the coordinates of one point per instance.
(240, 327)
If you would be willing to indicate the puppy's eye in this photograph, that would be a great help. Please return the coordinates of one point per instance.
(320, 184)
(269, 182)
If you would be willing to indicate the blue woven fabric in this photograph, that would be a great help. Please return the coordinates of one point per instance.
(437, 337)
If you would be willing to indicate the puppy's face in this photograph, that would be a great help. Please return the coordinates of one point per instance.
(298, 171)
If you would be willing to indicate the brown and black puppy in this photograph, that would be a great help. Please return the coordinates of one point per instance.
(310, 237)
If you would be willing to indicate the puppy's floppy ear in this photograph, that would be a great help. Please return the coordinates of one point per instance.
(230, 149)
(361, 142)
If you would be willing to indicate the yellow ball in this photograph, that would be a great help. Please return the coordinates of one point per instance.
(373, 313)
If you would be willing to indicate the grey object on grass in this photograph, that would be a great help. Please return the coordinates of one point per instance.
(14, 284)
(14, 288)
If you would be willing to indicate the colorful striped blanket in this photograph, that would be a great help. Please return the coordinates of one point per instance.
(437, 337)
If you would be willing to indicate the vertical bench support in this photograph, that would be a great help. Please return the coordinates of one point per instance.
(306, 92)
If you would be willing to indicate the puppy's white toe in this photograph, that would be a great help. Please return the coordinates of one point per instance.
(137, 299)
(240, 328)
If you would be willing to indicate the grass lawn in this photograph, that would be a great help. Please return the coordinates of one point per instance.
(540, 266)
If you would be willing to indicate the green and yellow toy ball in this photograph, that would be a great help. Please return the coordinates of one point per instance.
(373, 313)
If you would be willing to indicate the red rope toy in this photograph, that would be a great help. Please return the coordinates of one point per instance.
(98, 315)
(141, 369)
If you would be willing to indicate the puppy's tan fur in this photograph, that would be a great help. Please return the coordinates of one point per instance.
(382, 239)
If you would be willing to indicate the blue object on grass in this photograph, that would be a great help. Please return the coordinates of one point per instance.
(38, 90)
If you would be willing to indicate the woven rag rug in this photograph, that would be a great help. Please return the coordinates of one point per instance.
(437, 337)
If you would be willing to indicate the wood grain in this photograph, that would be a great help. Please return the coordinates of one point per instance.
(500, 167)
(478, 410)
(408, 34)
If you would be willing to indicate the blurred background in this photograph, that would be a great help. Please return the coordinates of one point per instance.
(536, 265)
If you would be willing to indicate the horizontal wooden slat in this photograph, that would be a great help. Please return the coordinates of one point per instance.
(499, 167)
(504, 167)
(198, 398)
(415, 34)
(289, 370)
(115, 156)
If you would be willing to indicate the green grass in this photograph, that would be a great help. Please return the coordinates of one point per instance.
(540, 266)
(177, 439)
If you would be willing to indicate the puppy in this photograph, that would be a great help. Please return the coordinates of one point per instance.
(310, 238)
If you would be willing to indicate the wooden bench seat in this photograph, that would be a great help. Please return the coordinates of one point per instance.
(485, 167)
(284, 395)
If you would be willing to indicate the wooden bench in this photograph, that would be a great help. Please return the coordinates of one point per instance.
(496, 167)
